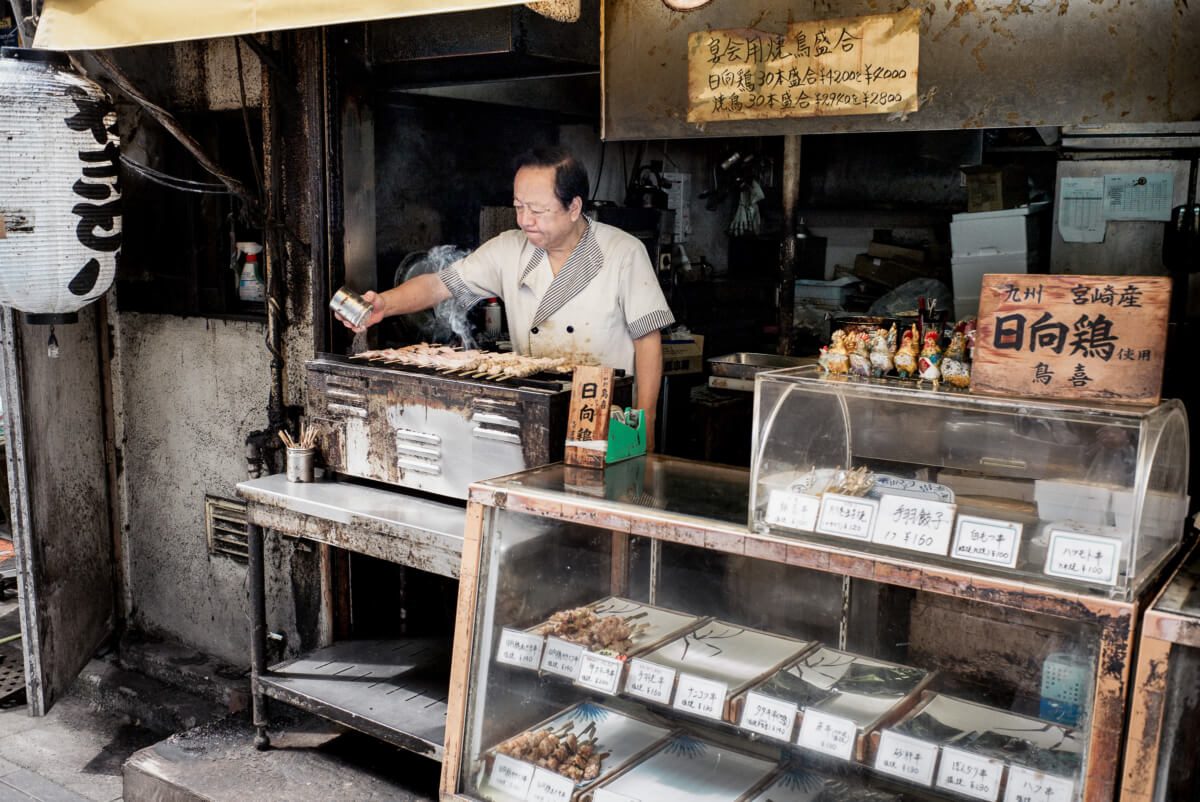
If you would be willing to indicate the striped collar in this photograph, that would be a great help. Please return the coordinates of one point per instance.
(581, 267)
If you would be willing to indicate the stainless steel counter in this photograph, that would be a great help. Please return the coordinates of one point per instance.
(390, 525)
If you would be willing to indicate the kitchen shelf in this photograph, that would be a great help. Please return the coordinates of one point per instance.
(394, 690)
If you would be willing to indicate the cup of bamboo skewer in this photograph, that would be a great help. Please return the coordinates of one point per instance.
(300, 454)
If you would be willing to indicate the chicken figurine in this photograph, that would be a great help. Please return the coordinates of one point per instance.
(860, 359)
(881, 354)
(929, 365)
(905, 359)
(838, 362)
(955, 369)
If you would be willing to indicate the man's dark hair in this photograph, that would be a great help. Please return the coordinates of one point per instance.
(570, 177)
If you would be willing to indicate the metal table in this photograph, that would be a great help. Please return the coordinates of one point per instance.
(393, 689)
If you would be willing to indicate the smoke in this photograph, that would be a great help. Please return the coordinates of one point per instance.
(447, 319)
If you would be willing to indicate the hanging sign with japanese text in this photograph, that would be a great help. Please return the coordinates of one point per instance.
(588, 418)
(852, 65)
(1099, 338)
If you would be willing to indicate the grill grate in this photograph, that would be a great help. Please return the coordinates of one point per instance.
(12, 672)
(225, 526)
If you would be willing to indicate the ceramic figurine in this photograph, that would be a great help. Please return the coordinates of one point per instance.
(906, 355)
(929, 364)
(860, 359)
(839, 360)
(881, 353)
(823, 359)
(954, 365)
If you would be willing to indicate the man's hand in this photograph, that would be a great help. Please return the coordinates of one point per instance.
(377, 312)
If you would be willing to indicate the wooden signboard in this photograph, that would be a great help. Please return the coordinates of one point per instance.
(851, 65)
(1099, 338)
(587, 421)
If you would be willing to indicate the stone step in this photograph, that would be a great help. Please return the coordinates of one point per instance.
(146, 701)
(184, 667)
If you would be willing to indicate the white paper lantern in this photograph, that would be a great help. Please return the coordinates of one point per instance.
(60, 199)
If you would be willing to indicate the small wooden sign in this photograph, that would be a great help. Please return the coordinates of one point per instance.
(587, 424)
(1099, 338)
(850, 65)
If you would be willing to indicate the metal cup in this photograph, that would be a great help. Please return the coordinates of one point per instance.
(300, 464)
(351, 306)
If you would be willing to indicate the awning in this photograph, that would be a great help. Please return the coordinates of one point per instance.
(102, 24)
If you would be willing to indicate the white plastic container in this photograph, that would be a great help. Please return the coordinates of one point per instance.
(967, 272)
(1008, 231)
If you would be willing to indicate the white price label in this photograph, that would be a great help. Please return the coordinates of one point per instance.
(1074, 555)
(986, 540)
(650, 681)
(908, 758)
(1026, 785)
(549, 786)
(704, 697)
(847, 516)
(830, 735)
(916, 524)
(600, 673)
(969, 774)
(605, 795)
(512, 776)
(519, 648)
(769, 716)
(793, 510)
(562, 657)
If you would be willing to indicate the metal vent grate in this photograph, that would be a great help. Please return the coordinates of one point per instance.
(225, 524)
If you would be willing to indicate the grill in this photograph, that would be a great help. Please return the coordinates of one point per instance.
(422, 429)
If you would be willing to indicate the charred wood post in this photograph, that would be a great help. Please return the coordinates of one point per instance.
(787, 255)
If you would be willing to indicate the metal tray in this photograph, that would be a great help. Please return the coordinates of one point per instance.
(743, 365)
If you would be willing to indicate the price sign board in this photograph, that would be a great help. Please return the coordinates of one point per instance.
(1025, 784)
(550, 786)
(704, 697)
(769, 716)
(518, 648)
(908, 758)
(986, 540)
(512, 776)
(849, 65)
(562, 657)
(969, 774)
(600, 673)
(650, 681)
(847, 516)
(792, 510)
(916, 524)
(1087, 337)
(1075, 555)
(830, 735)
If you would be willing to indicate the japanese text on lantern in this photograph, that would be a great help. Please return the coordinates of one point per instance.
(854, 65)
(1096, 337)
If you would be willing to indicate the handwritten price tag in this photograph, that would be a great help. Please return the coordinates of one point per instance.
(1074, 555)
(986, 540)
(769, 716)
(605, 795)
(562, 658)
(704, 697)
(969, 774)
(793, 510)
(830, 735)
(908, 758)
(915, 524)
(1024, 784)
(518, 648)
(512, 776)
(549, 786)
(650, 681)
(600, 673)
(847, 516)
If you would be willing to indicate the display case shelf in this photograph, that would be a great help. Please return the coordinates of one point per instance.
(547, 540)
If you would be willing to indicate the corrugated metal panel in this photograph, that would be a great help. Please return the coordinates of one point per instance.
(983, 63)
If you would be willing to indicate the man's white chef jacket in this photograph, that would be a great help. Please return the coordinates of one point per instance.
(603, 298)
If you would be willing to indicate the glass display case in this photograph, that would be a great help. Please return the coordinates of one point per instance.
(1082, 497)
(622, 635)
(1161, 751)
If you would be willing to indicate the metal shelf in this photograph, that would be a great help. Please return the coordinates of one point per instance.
(394, 690)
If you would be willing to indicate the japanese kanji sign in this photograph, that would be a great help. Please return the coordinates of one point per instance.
(853, 65)
(1087, 337)
(587, 421)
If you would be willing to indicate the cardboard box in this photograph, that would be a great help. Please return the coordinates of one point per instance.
(683, 356)
(884, 250)
(888, 272)
(990, 189)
